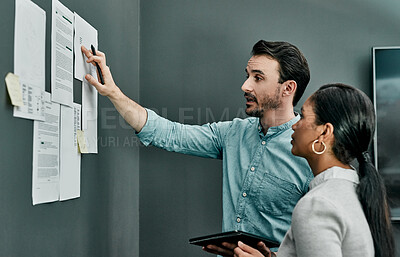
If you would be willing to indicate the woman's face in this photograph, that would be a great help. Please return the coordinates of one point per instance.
(305, 132)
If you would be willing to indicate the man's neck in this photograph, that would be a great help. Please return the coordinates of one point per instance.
(273, 118)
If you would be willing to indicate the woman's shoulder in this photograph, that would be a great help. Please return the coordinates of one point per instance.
(334, 195)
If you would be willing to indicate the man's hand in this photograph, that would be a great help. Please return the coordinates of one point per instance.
(109, 88)
(132, 112)
(226, 250)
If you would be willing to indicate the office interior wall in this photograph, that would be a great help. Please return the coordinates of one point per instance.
(193, 56)
(104, 221)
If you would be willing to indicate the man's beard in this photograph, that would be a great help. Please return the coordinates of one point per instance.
(268, 103)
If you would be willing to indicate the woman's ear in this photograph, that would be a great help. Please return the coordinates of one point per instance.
(290, 88)
(327, 135)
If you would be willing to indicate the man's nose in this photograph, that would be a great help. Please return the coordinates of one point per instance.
(246, 87)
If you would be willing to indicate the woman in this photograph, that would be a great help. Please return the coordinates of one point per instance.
(345, 213)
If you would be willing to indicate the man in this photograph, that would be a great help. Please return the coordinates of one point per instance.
(262, 180)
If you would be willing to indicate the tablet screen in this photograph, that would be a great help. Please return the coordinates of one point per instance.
(233, 237)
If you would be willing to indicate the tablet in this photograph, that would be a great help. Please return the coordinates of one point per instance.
(233, 237)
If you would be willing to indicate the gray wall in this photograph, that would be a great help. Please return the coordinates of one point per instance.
(193, 55)
(104, 221)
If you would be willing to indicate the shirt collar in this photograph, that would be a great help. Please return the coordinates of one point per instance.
(282, 127)
(334, 172)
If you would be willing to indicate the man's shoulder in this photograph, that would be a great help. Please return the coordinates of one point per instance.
(236, 126)
(238, 122)
(242, 121)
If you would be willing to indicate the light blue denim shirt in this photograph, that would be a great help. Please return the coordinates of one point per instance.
(262, 180)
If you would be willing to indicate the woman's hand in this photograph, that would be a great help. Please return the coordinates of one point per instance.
(244, 250)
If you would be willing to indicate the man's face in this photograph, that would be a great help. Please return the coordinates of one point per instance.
(262, 89)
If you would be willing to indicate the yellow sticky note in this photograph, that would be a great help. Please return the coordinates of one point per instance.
(81, 141)
(14, 89)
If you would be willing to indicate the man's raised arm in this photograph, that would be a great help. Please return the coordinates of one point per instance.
(132, 112)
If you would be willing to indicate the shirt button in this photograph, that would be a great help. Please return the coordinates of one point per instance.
(244, 194)
(252, 169)
(238, 220)
(263, 142)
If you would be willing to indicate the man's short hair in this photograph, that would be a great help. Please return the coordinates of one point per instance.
(292, 63)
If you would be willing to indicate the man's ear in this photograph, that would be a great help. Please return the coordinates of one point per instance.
(289, 88)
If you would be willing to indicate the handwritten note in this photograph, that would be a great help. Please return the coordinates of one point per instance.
(14, 89)
(81, 141)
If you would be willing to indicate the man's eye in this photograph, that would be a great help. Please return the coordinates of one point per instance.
(257, 78)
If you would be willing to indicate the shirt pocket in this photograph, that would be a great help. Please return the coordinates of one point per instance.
(275, 196)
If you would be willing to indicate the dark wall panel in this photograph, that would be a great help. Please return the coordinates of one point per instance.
(193, 56)
(104, 221)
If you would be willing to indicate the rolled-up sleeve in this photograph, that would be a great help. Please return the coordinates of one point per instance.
(204, 141)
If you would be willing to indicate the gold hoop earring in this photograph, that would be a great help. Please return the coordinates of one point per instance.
(313, 147)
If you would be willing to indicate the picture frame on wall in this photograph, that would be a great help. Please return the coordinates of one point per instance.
(386, 93)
